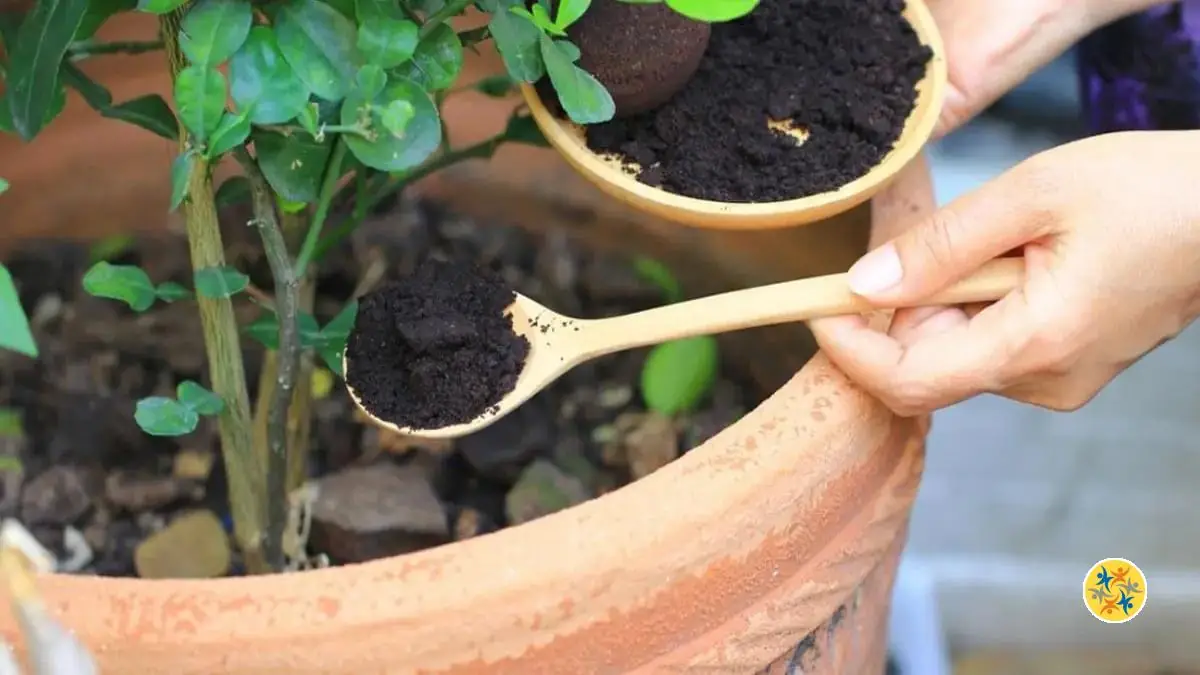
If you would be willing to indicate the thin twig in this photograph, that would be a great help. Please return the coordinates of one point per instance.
(328, 189)
(286, 301)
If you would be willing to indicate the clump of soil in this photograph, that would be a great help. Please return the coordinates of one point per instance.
(643, 54)
(109, 499)
(436, 348)
(840, 74)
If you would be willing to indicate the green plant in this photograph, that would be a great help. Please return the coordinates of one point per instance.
(676, 375)
(334, 102)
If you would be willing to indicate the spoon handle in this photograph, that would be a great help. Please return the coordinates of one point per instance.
(783, 302)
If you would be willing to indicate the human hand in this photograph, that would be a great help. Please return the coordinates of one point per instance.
(992, 46)
(1110, 230)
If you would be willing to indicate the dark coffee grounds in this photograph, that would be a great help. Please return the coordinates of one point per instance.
(844, 70)
(436, 348)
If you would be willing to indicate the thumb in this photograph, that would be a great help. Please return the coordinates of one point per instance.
(952, 243)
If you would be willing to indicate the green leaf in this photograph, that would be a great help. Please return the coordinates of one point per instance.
(212, 30)
(200, 96)
(261, 80)
(34, 60)
(98, 12)
(570, 11)
(127, 283)
(344, 7)
(369, 10)
(517, 40)
(159, 6)
(169, 291)
(387, 151)
(293, 165)
(233, 131)
(161, 416)
(713, 11)
(331, 343)
(149, 112)
(370, 80)
(181, 178)
(235, 190)
(677, 375)
(569, 49)
(584, 99)
(660, 275)
(15, 334)
(436, 63)
(387, 42)
(10, 423)
(110, 247)
(265, 329)
(199, 399)
(310, 119)
(496, 86)
(319, 44)
(219, 282)
(3, 186)
(522, 129)
(396, 116)
(540, 18)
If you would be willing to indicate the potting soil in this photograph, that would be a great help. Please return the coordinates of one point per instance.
(435, 348)
(844, 71)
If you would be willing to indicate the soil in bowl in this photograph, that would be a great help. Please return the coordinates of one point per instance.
(109, 499)
(798, 98)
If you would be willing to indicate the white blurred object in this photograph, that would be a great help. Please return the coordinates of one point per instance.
(915, 636)
(52, 648)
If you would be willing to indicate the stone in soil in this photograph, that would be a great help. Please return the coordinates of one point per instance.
(436, 348)
(193, 546)
(843, 71)
(641, 53)
(543, 489)
(383, 509)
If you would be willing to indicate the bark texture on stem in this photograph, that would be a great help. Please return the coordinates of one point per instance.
(222, 346)
(287, 358)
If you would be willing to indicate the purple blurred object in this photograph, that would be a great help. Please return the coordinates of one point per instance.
(1143, 72)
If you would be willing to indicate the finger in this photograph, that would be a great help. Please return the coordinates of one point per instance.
(943, 367)
(993, 46)
(1018, 207)
(912, 325)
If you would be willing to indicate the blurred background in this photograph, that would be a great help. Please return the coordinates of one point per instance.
(1018, 503)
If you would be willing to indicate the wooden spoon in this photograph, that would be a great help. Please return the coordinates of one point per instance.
(559, 343)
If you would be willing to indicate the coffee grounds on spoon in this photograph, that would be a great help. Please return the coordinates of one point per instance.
(844, 70)
(436, 348)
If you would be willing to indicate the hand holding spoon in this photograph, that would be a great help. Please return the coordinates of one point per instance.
(559, 343)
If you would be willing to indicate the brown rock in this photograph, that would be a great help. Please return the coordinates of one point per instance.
(193, 546)
(543, 489)
(59, 495)
(367, 512)
(651, 445)
(135, 492)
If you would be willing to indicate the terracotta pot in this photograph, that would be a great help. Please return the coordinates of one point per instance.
(769, 549)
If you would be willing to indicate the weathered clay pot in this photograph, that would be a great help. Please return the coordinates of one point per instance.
(769, 549)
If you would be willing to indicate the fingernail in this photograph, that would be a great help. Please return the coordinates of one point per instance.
(876, 272)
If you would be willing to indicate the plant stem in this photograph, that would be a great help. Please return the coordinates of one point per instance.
(222, 345)
(448, 11)
(328, 189)
(84, 49)
(387, 186)
(288, 356)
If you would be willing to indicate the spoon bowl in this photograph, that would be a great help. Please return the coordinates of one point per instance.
(558, 343)
(617, 178)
